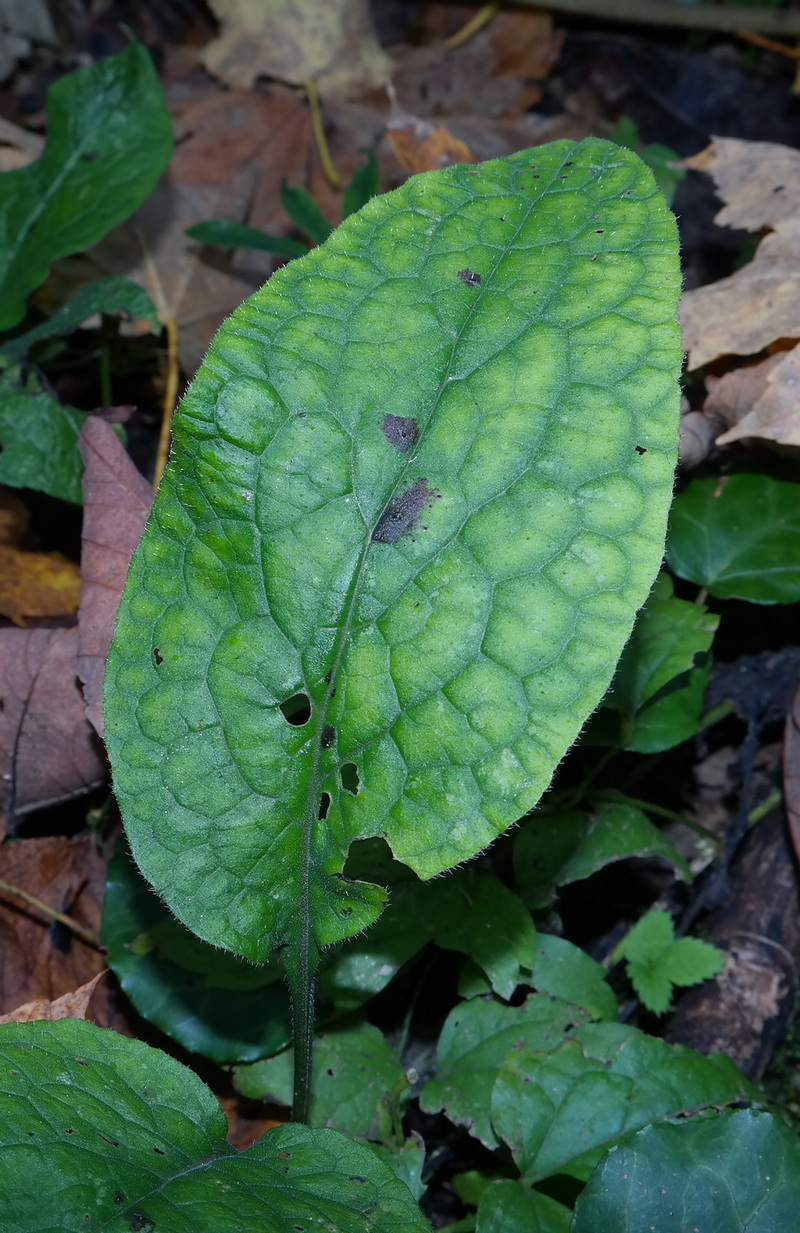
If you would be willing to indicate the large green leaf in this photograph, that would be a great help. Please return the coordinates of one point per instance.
(739, 537)
(737, 1173)
(560, 1111)
(102, 1132)
(109, 137)
(420, 483)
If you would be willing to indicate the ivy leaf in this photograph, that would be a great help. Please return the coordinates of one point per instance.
(656, 961)
(109, 138)
(105, 1132)
(735, 1173)
(739, 537)
(352, 614)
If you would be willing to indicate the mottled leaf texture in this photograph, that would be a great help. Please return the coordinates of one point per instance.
(102, 1132)
(326, 635)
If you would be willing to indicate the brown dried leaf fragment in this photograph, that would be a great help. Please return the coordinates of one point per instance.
(775, 414)
(69, 1006)
(759, 181)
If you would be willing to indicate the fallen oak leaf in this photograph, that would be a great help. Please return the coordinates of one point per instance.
(759, 181)
(775, 415)
(116, 503)
(69, 1006)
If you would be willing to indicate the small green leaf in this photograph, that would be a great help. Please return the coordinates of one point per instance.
(355, 1072)
(240, 235)
(109, 138)
(739, 537)
(406, 1162)
(565, 971)
(659, 158)
(176, 981)
(656, 961)
(106, 295)
(475, 1041)
(337, 524)
(663, 673)
(508, 1207)
(38, 438)
(543, 845)
(619, 830)
(736, 1173)
(104, 1132)
(366, 183)
(305, 213)
(560, 1110)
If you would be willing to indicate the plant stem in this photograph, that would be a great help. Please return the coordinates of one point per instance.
(300, 973)
(318, 129)
(86, 935)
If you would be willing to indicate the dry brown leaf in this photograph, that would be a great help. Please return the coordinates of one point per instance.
(496, 73)
(420, 146)
(756, 306)
(40, 961)
(759, 181)
(732, 396)
(333, 44)
(775, 415)
(18, 146)
(48, 751)
(69, 1006)
(116, 502)
(37, 584)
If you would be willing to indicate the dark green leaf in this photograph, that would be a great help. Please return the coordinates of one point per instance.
(739, 537)
(560, 1110)
(38, 438)
(619, 830)
(107, 295)
(366, 183)
(565, 971)
(736, 1173)
(176, 981)
(476, 1040)
(663, 673)
(239, 235)
(305, 213)
(109, 138)
(356, 1076)
(452, 611)
(508, 1207)
(99, 1131)
(542, 847)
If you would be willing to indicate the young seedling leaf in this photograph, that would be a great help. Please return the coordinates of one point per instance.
(739, 537)
(305, 213)
(447, 615)
(736, 1173)
(619, 830)
(366, 183)
(240, 235)
(104, 1132)
(109, 138)
(106, 295)
(656, 961)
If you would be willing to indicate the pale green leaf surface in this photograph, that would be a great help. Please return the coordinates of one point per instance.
(653, 986)
(354, 1072)
(109, 137)
(739, 537)
(736, 1173)
(560, 1110)
(451, 661)
(476, 1040)
(99, 1131)
(691, 960)
(106, 295)
(38, 438)
(507, 1207)
(210, 1001)
(649, 939)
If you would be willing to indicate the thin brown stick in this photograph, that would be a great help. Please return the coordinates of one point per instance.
(318, 130)
(476, 22)
(760, 40)
(673, 13)
(170, 399)
(86, 935)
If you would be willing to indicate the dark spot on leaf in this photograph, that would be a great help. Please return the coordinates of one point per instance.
(159, 1152)
(157, 656)
(600, 231)
(351, 781)
(80, 1061)
(328, 676)
(640, 449)
(89, 157)
(345, 912)
(401, 431)
(140, 1222)
(402, 512)
(69, 1132)
(324, 806)
(119, 1198)
(31, 1134)
(297, 710)
(469, 278)
(330, 1071)
(87, 1218)
(328, 737)
(284, 1155)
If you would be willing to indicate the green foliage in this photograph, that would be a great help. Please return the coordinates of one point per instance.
(656, 961)
(38, 436)
(661, 160)
(107, 295)
(109, 138)
(240, 235)
(365, 184)
(104, 1132)
(739, 537)
(738, 1172)
(451, 612)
